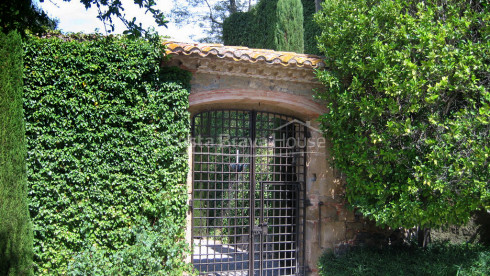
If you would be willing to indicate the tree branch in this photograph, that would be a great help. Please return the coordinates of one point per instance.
(211, 14)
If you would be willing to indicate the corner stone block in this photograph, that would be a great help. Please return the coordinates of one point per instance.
(311, 232)
(312, 256)
(312, 213)
(328, 212)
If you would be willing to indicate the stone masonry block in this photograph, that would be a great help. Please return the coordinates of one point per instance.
(346, 215)
(332, 233)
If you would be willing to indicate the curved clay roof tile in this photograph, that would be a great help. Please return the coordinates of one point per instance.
(240, 53)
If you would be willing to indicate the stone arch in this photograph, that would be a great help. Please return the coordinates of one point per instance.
(272, 101)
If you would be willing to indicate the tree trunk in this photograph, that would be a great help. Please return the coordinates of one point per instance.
(423, 236)
(318, 5)
(233, 8)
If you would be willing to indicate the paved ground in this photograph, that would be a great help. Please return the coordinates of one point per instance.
(213, 258)
(218, 259)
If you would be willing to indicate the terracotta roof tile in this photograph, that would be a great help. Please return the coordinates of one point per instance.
(239, 53)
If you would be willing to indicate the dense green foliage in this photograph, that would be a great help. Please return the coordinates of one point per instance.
(437, 259)
(409, 106)
(237, 30)
(255, 28)
(22, 15)
(276, 24)
(15, 223)
(107, 157)
(311, 29)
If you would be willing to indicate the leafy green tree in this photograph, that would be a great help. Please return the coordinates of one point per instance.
(22, 15)
(114, 8)
(15, 223)
(409, 106)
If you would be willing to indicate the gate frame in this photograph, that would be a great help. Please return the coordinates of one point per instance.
(301, 194)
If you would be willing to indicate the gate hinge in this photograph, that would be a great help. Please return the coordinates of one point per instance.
(191, 205)
(308, 134)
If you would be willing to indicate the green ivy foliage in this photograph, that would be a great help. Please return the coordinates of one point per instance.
(15, 223)
(409, 106)
(276, 24)
(106, 156)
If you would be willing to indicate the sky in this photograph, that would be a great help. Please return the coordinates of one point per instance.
(73, 17)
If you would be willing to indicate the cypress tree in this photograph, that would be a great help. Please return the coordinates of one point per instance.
(15, 225)
(289, 31)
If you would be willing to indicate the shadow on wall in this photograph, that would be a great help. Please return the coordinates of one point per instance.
(477, 230)
(482, 219)
(364, 232)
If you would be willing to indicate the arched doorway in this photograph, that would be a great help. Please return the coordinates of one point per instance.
(248, 193)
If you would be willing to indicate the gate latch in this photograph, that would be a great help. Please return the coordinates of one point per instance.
(260, 229)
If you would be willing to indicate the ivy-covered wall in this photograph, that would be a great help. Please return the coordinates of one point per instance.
(271, 24)
(107, 161)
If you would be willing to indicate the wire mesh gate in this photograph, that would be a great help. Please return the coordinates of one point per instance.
(249, 172)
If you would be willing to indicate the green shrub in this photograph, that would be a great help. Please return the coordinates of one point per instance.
(107, 158)
(15, 223)
(408, 95)
(152, 253)
(437, 259)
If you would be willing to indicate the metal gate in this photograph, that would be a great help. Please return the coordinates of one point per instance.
(248, 193)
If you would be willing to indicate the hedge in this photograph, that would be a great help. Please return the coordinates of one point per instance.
(107, 159)
(439, 259)
(15, 224)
